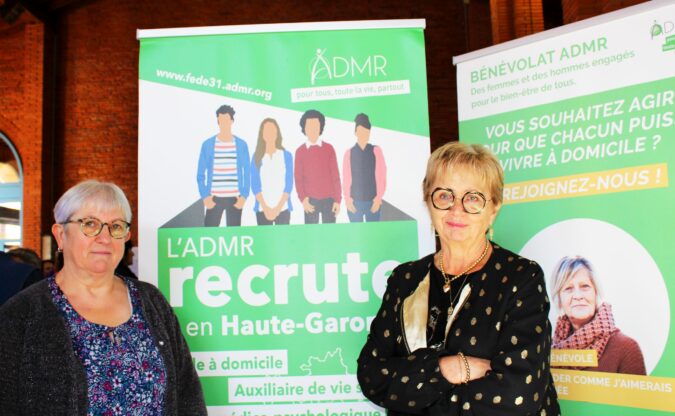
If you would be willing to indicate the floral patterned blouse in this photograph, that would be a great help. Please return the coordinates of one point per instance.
(125, 371)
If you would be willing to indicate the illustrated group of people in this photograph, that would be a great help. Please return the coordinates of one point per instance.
(226, 174)
(462, 331)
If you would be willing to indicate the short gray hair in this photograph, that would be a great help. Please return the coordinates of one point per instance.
(563, 272)
(92, 193)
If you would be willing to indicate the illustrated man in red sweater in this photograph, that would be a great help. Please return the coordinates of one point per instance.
(317, 178)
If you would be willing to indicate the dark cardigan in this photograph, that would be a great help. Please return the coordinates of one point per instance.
(40, 373)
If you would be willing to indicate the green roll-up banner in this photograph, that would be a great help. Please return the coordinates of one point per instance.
(275, 316)
(582, 120)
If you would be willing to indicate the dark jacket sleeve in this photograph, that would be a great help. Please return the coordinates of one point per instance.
(185, 396)
(34, 277)
(11, 351)
(402, 382)
(189, 388)
(39, 373)
(520, 374)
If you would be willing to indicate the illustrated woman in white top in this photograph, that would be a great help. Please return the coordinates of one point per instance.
(271, 176)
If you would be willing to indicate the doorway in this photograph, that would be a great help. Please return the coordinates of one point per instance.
(11, 195)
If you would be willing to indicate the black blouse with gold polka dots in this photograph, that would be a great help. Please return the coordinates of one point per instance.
(504, 319)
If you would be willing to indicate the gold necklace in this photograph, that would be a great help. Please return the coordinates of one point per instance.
(448, 280)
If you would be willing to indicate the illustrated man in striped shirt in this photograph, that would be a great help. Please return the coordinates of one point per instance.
(223, 172)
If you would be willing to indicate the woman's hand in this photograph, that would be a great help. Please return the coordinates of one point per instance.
(453, 369)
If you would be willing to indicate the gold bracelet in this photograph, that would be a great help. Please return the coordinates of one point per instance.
(466, 367)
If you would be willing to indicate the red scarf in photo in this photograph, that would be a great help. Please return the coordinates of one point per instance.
(592, 336)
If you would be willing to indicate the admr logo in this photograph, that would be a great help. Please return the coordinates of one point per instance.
(337, 67)
(665, 30)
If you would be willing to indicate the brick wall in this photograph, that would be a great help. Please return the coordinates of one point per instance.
(575, 10)
(512, 19)
(21, 72)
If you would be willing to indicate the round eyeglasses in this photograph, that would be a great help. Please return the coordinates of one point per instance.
(91, 227)
(473, 202)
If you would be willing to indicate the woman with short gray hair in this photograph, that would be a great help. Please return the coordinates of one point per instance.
(88, 342)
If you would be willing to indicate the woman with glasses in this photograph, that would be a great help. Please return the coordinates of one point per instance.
(88, 342)
(465, 330)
